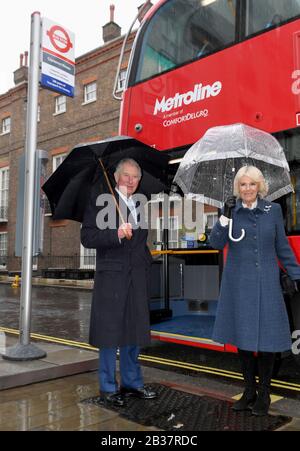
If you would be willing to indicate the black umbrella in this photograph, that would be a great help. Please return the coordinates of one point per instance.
(70, 186)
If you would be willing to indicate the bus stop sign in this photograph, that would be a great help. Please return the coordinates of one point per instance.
(57, 58)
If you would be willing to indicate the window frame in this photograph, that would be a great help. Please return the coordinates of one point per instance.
(55, 159)
(86, 101)
(213, 215)
(6, 125)
(122, 81)
(4, 198)
(3, 266)
(58, 105)
(86, 253)
(172, 227)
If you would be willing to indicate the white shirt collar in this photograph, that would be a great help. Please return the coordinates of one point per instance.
(130, 204)
(128, 200)
(254, 205)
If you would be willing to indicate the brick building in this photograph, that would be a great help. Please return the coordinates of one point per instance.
(64, 122)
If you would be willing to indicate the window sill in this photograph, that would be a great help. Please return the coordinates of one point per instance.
(4, 133)
(61, 112)
(88, 102)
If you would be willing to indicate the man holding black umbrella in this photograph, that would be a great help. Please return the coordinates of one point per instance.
(120, 308)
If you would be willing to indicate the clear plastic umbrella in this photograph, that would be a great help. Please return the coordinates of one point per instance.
(210, 165)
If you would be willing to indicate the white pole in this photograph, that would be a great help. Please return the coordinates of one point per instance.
(24, 350)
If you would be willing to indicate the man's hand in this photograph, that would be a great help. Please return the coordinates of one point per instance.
(125, 231)
(229, 204)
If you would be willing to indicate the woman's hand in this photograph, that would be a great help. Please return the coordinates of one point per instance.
(229, 204)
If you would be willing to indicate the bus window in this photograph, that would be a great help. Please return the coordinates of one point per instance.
(184, 30)
(264, 14)
(290, 142)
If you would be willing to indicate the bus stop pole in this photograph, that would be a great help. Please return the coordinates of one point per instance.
(165, 239)
(24, 350)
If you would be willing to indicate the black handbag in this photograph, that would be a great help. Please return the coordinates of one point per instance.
(289, 286)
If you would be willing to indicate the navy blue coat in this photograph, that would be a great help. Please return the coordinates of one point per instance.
(120, 305)
(251, 311)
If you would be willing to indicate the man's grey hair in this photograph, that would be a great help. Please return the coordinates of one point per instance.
(128, 161)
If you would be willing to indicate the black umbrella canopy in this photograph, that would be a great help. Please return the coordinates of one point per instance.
(69, 187)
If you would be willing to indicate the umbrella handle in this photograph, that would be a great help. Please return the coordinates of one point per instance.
(230, 232)
(128, 237)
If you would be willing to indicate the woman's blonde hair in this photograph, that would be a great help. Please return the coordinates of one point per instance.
(253, 173)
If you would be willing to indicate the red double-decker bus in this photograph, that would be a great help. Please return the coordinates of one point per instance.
(196, 64)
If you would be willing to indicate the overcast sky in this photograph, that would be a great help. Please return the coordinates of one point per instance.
(85, 18)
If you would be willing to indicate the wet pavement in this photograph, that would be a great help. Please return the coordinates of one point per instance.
(48, 404)
(64, 313)
(56, 403)
(57, 312)
(40, 399)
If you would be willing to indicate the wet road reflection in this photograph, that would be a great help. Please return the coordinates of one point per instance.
(57, 312)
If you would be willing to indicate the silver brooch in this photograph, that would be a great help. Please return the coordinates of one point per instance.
(267, 208)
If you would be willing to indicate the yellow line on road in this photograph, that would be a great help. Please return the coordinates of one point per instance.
(51, 339)
(160, 360)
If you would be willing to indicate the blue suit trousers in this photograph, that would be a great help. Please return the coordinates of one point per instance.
(130, 370)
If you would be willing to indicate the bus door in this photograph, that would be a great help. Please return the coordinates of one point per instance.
(185, 272)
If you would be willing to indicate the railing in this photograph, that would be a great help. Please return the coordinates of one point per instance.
(66, 262)
(51, 264)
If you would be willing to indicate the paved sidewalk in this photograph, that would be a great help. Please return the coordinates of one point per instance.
(60, 361)
(46, 394)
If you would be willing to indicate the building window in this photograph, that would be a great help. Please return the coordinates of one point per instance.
(4, 182)
(87, 258)
(3, 249)
(210, 220)
(57, 160)
(90, 92)
(122, 81)
(6, 125)
(173, 232)
(60, 104)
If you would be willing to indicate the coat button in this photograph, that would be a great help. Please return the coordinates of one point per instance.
(255, 250)
(256, 264)
(254, 237)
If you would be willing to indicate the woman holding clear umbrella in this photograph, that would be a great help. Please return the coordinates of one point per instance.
(251, 311)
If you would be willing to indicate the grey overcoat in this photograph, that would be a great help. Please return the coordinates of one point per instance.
(120, 303)
(251, 311)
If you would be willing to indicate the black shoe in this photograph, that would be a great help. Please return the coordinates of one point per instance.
(262, 404)
(112, 398)
(247, 400)
(142, 393)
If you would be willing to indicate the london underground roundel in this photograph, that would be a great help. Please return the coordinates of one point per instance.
(60, 39)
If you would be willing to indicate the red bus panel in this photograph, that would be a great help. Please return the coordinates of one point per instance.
(256, 82)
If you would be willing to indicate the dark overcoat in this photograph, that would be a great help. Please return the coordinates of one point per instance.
(251, 311)
(120, 303)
